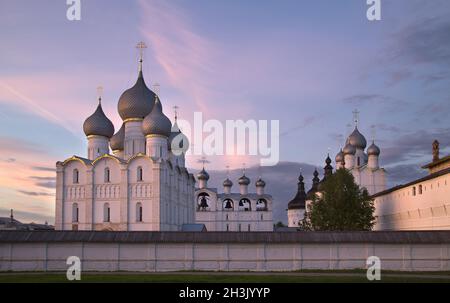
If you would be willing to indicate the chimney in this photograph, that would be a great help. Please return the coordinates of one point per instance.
(435, 150)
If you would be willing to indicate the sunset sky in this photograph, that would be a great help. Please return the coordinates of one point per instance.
(308, 64)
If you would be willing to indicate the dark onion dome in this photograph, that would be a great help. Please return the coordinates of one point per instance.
(203, 175)
(373, 150)
(244, 180)
(178, 139)
(260, 182)
(227, 183)
(357, 139)
(156, 123)
(299, 200)
(98, 124)
(349, 149)
(117, 141)
(328, 169)
(340, 156)
(137, 101)
(314, 187)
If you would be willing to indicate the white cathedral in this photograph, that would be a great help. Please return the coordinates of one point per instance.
(142, 185)
(362, 163)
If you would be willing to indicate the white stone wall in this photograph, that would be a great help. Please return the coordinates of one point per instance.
(429, 210)
(295, 216)
(152, 257)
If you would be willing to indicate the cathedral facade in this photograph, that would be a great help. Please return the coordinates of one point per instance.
(142, 185)
(228, 211)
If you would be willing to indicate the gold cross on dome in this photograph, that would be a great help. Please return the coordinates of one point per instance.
(141, 46)
(203, 161)
(356, 117)
(175, 110)
(99, 92)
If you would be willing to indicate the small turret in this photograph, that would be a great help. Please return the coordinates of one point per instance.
(243, 181)
(260, 184)
(202, 178)
(373, 153)
(98, 129)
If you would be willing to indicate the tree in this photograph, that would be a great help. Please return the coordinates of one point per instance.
(340, 205)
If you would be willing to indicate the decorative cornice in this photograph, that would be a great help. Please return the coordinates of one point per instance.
(136, 156)
(155, 136)
(133, 120)
(96, 136)
(75, 158)
(105, 156)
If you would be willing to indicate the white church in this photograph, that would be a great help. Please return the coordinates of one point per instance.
(361, 162)
(142, 185)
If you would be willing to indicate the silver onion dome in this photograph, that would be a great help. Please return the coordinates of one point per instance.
(373, 150)
(98, 124)
(137, 101)
(349, 149)
(117, 141)
(227, 183)
(156, 123)
(260, 182)
(203, 175)
(244, 180)
(177, 140)
(357, 139)
(340, 156)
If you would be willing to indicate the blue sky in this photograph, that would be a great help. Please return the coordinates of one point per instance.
(308, 64)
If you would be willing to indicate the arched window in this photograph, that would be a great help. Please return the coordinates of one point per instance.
(420, 189)
(248, 227)
(139, 212)
(76, 176)
(228, 204)
(244, 204)
(106, 213)
(74, 212)
(139, 174)
(358, 161)
(203, 201)
(261, 205)
(107, 175)
(414, 191)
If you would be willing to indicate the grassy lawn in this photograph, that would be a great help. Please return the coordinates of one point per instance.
(197, 277)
